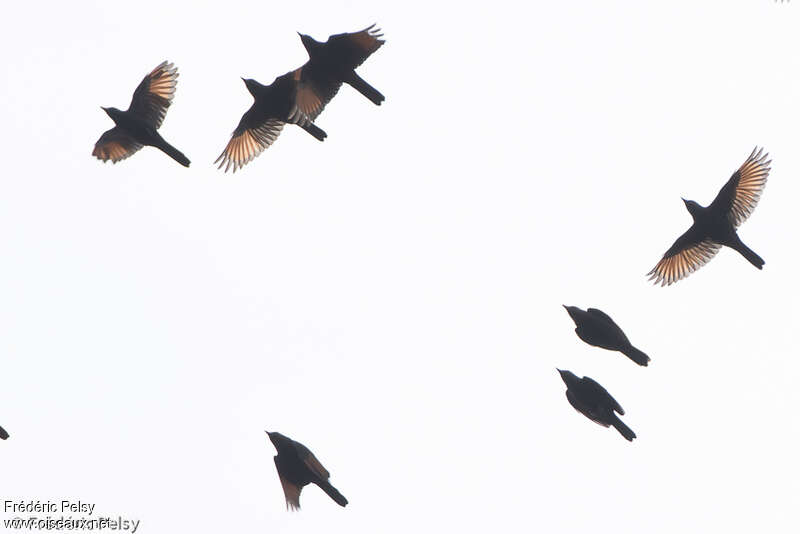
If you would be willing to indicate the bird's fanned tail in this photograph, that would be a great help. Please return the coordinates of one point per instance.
(365, 89)
(333, 493)
(174, 153)
(626, 432)
(636, 355)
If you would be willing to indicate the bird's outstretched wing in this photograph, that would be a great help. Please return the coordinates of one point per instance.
(352, 49)
(154, 94)
(290, 491)
(738, 197)
(115, 145)
(313, 90)
(253, 135)
(685, 256)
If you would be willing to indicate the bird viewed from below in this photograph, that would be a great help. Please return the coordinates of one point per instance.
(3, 433)
(598, 329)
(288, 99)
(592, 400)
(297, 466)
(715, 225)
(334, 62)
(136, 127)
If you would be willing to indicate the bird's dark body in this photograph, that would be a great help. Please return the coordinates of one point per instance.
(598, 329)
(277, 101)
(592, 400)
(297, 467)
(145, 134)
(334, 62)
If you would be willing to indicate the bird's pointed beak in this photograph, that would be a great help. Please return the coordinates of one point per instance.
(104, 109)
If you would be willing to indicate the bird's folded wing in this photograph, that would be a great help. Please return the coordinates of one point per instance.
(154, 94)
(739, 196)
(608, 320)
(352, 49)
(250, 139)
(684, 257)
(583, 408)
(115, 145)
(599, 393)
(290, 491)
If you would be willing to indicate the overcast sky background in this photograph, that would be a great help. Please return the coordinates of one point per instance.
(392, 297)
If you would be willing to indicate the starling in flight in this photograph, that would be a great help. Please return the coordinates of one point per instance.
(593, 401)
(136, 126)
(598, 329)
(3, 433)
(334, 62)
(715, 225)
(297, 466)
(286, 100)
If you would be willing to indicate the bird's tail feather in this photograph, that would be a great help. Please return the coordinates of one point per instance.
(333, 493)
(636, 355)
(365, 89)
(315, 130)
(174, 153)
(748, 254)
(626, 432)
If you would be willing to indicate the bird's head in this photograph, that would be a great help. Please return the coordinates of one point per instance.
(276, 438)
(692, 207)
(568, 377)
(309, 42)
(252, 85)
(573, 311)
(111, 112)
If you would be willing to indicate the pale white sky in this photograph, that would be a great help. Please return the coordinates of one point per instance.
(392, 297)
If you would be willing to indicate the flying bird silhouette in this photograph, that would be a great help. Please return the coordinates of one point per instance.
(297, 466)
(715, 225)
(592, 400)
(334, 62)
(288, 99)
(3, 433)
(136, 127)
(598, 329)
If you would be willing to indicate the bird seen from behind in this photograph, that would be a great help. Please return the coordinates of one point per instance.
(334, 62)
(592, 400)
(137, 126)
(715, 225)
(599, 330)
(297, 466)
(288, 99)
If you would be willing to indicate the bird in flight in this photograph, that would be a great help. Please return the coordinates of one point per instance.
(297, 466)
(598, 329)
(288, 99)
(3, 433)
(592, 400)
(136, 127)
(715, 225)
(334, 62)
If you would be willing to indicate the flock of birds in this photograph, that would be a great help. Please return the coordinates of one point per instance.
(299, 96)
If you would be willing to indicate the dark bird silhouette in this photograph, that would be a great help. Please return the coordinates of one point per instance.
(3, 433)
(297, 466)
(598, 329)
(136, 127)
(715, 225)
(593, 401)
(288, 99)
(334, 62)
